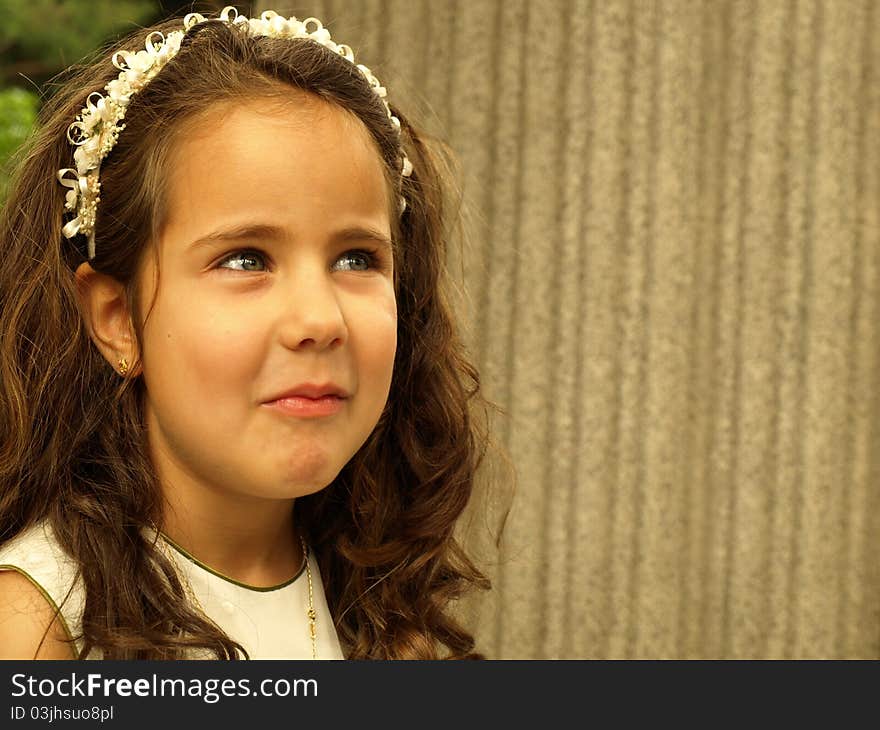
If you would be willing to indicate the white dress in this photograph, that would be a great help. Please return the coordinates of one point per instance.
(271, 623)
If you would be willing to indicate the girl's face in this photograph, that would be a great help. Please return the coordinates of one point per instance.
(276, 272)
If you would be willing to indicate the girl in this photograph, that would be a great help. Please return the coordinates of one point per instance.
(236, 419)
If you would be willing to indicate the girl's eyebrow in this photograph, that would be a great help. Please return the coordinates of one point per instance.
(264, 232)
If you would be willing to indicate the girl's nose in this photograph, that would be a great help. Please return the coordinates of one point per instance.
(311, 313)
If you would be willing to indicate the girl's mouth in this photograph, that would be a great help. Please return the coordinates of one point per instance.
(303, 407)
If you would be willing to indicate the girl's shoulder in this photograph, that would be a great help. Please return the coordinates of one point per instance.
(24, 615)
(36, 577)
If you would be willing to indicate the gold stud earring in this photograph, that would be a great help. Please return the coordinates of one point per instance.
(123, 366)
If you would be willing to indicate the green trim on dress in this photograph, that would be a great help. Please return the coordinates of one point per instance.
(211, 570)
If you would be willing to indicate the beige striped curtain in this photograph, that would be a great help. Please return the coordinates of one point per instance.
(672, 287)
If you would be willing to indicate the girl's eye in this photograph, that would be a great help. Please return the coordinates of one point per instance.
(246, 257)
(359, 260)
(250, 260)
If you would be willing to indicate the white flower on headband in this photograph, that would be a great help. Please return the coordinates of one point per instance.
(97, 127)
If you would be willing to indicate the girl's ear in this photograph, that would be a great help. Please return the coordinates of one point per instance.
(105, 311)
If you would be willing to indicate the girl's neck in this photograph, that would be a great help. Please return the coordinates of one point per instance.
(254, 543)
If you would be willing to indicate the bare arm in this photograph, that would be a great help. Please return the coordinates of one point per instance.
(24, 615)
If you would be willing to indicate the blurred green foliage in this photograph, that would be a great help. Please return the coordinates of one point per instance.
(18, 112)
(39, 38)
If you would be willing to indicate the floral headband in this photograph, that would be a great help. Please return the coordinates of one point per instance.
(97, 127)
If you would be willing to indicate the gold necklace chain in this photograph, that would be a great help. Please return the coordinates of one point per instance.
(194, 600)
(313, 616)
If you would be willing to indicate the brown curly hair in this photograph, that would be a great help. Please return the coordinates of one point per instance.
(382, 531)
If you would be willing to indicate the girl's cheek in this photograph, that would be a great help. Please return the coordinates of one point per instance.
(386, 317)
(389, 303)
(213, 337)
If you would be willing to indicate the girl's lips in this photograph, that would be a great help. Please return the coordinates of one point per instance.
(302, 407)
